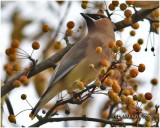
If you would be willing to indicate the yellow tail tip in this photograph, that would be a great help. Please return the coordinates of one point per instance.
(31, 115)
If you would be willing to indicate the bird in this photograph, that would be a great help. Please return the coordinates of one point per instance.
(74, 65)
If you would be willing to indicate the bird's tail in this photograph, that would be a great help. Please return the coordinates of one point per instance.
(46, 97)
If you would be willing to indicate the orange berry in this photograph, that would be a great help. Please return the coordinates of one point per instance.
(119, 43)
(8, 65)
(135, 97)
(16, 83)
(108, 82)
(35, 45)
(135, 25)
(98, 49)
(84, 5)
(154, 81)
(150, 104)
(80, 85)
(69, 32)
(70, 24)
(98, 83)
(123, 50)
(115, 49)
(15, 43)
(123, 6)
(129, 2)
(57, 45)
(133, 73)
(111, 72)
(12, 57)
(111, 7)
(45, 28)
(115, 2)
(23, 96)
(116, 88)
(12, 118)
(128, 57)
(136, 47)
(104, 63)
(111, 44)
(140, 41)
(10, 51)
(131, 91)
(141, 68)
(17, 67)
(24, 80)
(103, 70)
(148, 96)
(132, 33)
(128, 13)
(111, 94)
(128, 20)
(126, 92)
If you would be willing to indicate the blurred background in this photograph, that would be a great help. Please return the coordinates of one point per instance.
(23, 20)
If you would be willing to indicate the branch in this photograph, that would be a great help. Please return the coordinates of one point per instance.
(50, 62)
(137, 16)
(84, 118)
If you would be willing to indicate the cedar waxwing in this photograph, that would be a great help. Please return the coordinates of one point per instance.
(74, 66)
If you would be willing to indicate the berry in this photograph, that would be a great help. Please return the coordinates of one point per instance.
(111, 72)
(103, 87)
(123, 98)
(91, 66)
(15, 43)
(23, 96)
(35, 45)
(154, 81)
(123, 50)
(148, 124)
(136, 47)
(115, 49)
(108, 82)
(80, 85)
(16, 83)
(111, 44)
(119, 43)
(45, 28)
(12, 118)
(128, 57)
(9, 71)
(135, 25)
(69, 32)
(141, 68)
(140, 41)
(131, 91)
(133, 73)
(128, 13)
(84, 5)
(111, 94)
(128, 20)
(150, 104)
(104, 63)
(111, 7)
(17, 67)
(132, 33)
(116, 99)
(98, 83)
(12, 57)
(104, 114)
(99, 49)
(67, 111)
(126, 92)
(115, 2)
(135, 97)
(103, 70)
(70, 24)
(148, 96)
(57, 45)
(116, 88)
(24, 80)
(123, 6)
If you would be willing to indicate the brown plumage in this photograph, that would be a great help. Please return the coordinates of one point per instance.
(75, 64)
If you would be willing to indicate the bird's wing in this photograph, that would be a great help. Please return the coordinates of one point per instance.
(70, 60)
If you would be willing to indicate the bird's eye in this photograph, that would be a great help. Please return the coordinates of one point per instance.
(99, 17)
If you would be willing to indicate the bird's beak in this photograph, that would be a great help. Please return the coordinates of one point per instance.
(88, 18)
